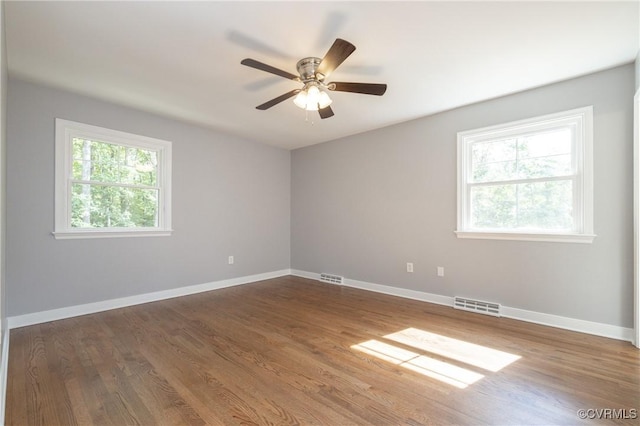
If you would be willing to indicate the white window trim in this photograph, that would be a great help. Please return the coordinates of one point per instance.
(584, 181)
(65, 132)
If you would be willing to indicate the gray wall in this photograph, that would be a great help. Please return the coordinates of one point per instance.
(230, 197)
(3, 186)
(365, 205)
(637, 62)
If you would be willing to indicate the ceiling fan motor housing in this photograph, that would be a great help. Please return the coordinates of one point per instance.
(307, 69)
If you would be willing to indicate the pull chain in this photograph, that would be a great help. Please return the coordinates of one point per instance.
(306, 117)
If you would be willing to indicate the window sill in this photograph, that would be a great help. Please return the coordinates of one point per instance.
(69, 235)
(517, 236)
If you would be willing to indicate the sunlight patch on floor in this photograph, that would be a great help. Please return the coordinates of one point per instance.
(459, 350)
(439, 370)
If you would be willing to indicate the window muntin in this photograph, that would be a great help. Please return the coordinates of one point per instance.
(110, 183)
(527, 180)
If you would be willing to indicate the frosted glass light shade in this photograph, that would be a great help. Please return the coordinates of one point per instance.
(313, 95)
(312, 99)
(301, 99)
(324, 100)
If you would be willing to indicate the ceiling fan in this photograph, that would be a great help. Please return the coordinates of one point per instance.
(312, 73)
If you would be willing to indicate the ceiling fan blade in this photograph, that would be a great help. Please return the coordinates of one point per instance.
(268, 68)
(338, 52)
(276, 101)
(364, 88)
(326, 112)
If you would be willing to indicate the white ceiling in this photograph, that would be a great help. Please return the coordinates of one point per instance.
(182, 60)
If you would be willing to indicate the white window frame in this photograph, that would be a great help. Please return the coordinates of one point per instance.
(582, 159)
(65, 132)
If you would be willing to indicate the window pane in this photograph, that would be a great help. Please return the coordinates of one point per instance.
(544, 154)
(494, 160)
(493, 207)
(104, 162)
(541, 167)
(546, 205)
(539, 206)
(546, 143)
(101, 206)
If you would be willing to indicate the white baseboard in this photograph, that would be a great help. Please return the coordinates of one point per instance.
(4, 365)
(402, 292)
(385, 289)
(305, 274)
(573, 324)
(91, 308)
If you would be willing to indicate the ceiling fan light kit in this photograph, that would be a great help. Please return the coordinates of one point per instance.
(312, 72)
(312, 98)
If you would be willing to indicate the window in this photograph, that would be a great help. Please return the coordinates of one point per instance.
(110, 183)
(528, 180)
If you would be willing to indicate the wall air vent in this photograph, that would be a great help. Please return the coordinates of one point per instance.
(487, 308)
(331, 279)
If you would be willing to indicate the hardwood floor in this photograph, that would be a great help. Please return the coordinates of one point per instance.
(295, 351)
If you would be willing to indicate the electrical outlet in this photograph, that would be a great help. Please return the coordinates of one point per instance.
(409, 267)
(231, 260)
(441, 271)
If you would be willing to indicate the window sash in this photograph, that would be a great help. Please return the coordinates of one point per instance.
(116, 184)
(116, 166)
(517, 163)
(577, 224)
(156, 208)
(579, 122)
(519, 181)
(66, 132)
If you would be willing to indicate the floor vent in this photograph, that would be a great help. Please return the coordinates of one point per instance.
(478, 306)
(331, 279)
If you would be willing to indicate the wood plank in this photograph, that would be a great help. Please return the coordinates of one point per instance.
(283, 351)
